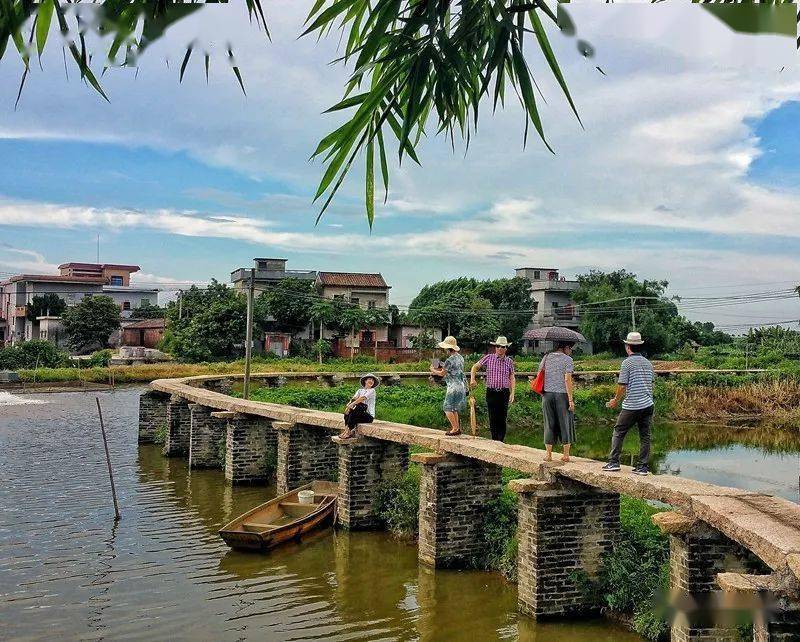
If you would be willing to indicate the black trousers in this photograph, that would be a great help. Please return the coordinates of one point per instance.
(358, 415)
(497, 405)
(626, 420)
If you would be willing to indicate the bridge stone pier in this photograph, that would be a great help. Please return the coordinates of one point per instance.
(250, 448)
(205, 436)
(729, 548)
(364, 464)
(305, 453)
(178, 427)
(453, 494)
(564, 529)
(152, 415)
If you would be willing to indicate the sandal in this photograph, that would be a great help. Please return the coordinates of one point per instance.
(450, 433)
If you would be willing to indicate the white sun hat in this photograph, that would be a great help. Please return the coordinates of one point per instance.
(634, 339)
(500, 341)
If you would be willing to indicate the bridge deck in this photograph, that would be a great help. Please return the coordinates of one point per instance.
(768, 526)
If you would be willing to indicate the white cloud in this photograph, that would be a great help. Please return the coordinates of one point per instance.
(14, 259)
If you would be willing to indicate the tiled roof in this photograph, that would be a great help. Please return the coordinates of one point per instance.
(352, 279)
(146, 323)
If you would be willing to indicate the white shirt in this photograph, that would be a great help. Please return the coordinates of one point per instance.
(369, 393)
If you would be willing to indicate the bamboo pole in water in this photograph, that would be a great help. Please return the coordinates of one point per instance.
(117, 516)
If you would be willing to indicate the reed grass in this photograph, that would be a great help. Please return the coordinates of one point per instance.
(777, 398)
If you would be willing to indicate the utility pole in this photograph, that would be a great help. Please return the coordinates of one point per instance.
(248, 345)
(633, 313)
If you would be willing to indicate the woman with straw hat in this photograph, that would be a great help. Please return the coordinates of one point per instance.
(455, 400)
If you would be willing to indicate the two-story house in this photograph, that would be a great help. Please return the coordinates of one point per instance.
(73, 283)
(363, 289)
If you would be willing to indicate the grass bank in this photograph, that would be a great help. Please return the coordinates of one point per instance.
(148, 372)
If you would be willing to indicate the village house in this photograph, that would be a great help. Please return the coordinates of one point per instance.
(551, 297)
(267, 272)
(366, 290)
(73, 283)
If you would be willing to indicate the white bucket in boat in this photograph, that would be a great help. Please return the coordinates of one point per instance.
(306, 496)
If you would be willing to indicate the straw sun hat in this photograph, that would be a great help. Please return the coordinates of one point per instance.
(500, 341)
(633, 339)
(375, 379)
(450, 343)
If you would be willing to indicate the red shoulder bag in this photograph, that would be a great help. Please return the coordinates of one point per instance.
(537, 384)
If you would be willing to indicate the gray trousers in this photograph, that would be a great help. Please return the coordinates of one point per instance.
(626, 420)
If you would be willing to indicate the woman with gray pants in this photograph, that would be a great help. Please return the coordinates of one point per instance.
(558, 405)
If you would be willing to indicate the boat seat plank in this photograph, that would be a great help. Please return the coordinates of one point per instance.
(295, 509)
(260, 527)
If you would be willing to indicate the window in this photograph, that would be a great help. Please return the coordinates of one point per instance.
(536, 274)
(126, 305)
(354, 300)
(116, 280)
(338, 297)
(371, 305)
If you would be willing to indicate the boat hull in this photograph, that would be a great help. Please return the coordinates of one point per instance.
(254, 532)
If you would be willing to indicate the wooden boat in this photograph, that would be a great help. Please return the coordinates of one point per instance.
(282, 519)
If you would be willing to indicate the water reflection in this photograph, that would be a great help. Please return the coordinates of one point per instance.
(163, 572)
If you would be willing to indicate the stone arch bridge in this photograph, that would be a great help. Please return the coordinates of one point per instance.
(728, 547)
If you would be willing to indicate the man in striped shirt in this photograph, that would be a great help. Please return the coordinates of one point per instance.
(635, 383)
(499, 386)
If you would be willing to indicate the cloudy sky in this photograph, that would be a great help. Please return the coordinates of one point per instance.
(686, 168)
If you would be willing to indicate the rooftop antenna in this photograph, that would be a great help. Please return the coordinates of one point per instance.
(98, 248)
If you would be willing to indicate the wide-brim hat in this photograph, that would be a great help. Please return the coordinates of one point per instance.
(500, 341)
(633, 339)
(372, 376)
(450, 343)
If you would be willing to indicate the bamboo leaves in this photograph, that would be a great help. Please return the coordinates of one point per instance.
(425, 60)
(43, 19)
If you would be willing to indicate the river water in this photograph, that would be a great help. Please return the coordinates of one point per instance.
(67, 571)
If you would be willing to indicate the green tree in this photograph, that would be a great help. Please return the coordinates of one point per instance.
(684, 331)
(207, 325)
(475, 311)
(91, 322)
(287, 304)
(605, 309)
(49, 304)
(353, 317)
(148, 311)
(413, 61)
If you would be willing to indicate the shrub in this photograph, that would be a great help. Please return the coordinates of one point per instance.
(36, 353)
(634, 577)
(99, 359)
(397, 503)
(160, 437)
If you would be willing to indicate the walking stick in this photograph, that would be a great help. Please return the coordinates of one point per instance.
(473, 421)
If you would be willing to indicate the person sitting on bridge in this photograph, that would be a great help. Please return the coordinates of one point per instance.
(361, 408)
(635, 383)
